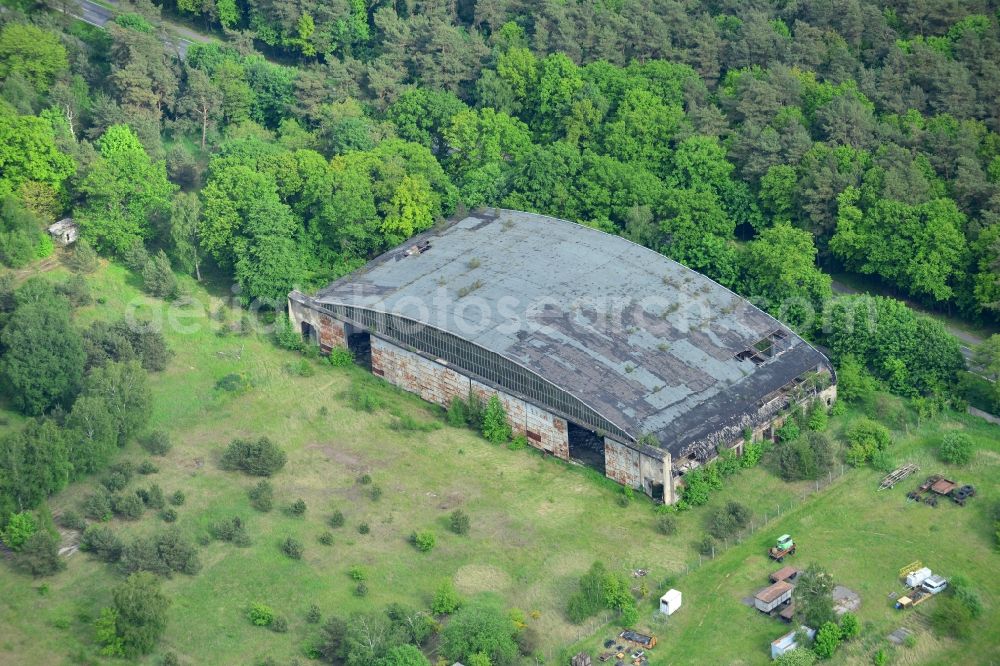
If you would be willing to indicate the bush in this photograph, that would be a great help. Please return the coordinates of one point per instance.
(168, 515)
(363, 528)
(19, 529)
(356, 573)
(39, 555)
(340, 357)
(375, 492)
(232, 530)
(129, 506)
(258, 458)
(789, 432)
(262, 496)
(177, 498)
(298, 507)
(102, 542)
(260, 615)
(850, 627)
(459, 522)
(967, 595)
(818, 418)
(292, 548)
(313, 615)
(83, 259)
(457, 413)
(956, 448)
(495, 427)
(519, 443)
(71, 520)
(365, 479)
(301, 368)
(97, 506)
(423, 540)
(326, 538)
(157, 277)
(336, 519)
(446, 600)
(285, 334)
(361, 590)
(666, 524)
(161, 554)
(157, 443)
(235, 383)
(147, 467)
(728, 520)
(864, 438)
(827, 640)
(365, 399)
(706, 546)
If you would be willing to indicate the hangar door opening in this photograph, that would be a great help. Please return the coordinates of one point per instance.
(359, 342)
(586, 447)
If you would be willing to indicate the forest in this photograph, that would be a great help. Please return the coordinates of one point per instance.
(768, 145)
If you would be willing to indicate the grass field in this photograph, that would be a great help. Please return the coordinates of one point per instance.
(537, 524)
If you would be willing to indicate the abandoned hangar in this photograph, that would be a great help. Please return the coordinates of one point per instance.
(602, 351)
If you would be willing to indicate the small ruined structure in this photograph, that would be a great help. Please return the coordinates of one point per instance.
(601, 351)
(65, 231)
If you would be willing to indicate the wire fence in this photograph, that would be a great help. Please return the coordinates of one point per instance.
(760, 520)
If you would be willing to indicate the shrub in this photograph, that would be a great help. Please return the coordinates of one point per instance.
(83, 259)
(285, 334)
(356, 573)
(157, 277)
(706, 546)
(71, 520)
(827, 640)
(97, 506)
(864, 438)
(666, 524)
(262, 496)
(446, 600)
(168, 515)
(361, 590)
(850, 627)
(260, 615)
(457, 413)
(336, 519)
(154, 497)
(313, 615)
(161, 554)
(340, 357)
(102, 542)
(301, 368)
(177, 498)
(967, 595)
(129, 506)
(147, 467)
(157, 443)
(789, 431)
(459, 522)
(232, 530)
(298, 507)
(495, 427)
(519, 443)
(424, 540)
(292, 548)
(326, 538)
(956, 448)
(752, 453)
(365, 479)
(364, 399)
(235, 383)
(39, 555)
(19, 529)
(279, 625)
(375, 492)
(363, 528)
(258, 458)
(818, 418)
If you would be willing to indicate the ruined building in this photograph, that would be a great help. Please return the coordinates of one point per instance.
(602, 351)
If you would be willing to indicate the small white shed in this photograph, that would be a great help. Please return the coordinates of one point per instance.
(670, 602)
(917, 577)
(65, 231)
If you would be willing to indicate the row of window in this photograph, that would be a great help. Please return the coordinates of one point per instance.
(479, 361)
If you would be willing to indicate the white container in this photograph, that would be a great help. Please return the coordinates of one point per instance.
(670, 602)
(915, 578)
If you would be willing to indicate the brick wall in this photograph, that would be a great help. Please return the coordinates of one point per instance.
(411, 372)
(637, 470)
(546, 431)
(329, 331)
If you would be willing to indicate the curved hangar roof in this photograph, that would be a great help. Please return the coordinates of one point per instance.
(649, 344)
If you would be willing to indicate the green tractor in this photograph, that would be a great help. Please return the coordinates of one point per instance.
(785, 546)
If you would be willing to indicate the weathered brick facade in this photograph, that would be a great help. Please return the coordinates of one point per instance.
(439, 384)
(637, 470)
(329, 332)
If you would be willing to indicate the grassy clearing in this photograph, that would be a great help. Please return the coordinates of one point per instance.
(863, 537)
(537, 524)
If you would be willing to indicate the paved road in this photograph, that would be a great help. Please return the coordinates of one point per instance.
(178, 36)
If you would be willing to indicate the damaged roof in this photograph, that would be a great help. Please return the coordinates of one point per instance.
(649, 344)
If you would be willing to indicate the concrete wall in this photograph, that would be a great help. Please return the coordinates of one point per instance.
(545, 431)
(330, 332)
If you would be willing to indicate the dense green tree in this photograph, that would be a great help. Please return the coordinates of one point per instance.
(28, 152)
(814, 597)
(91, 435)
(480, 626)
(31, 52)
(185, 213)
(125, 190)
(43, 359)
(140, 609)
(124, 388)
(34, 464)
